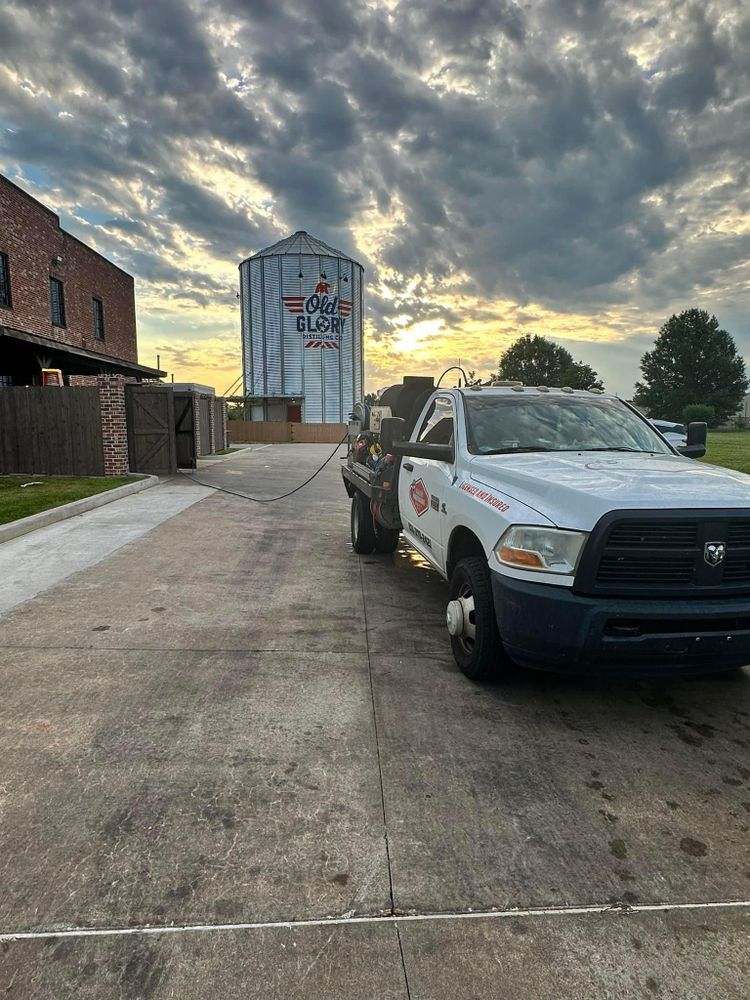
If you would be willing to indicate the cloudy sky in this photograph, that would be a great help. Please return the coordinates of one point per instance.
(577, 169)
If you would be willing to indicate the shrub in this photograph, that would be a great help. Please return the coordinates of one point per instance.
(699, 411)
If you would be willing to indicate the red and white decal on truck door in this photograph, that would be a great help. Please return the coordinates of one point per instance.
(420, 498)
(484, 495)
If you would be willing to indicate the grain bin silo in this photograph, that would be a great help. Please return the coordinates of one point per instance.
(302, 343)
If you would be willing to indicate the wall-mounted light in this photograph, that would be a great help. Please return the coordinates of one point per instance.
(57, 259)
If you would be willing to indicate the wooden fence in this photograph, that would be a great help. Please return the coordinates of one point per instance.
(51, 431)
(283, 432)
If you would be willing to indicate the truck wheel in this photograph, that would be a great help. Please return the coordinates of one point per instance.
(363, 532)
(386, 539)
(471, 620)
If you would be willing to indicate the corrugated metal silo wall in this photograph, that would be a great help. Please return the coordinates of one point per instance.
(302, 336)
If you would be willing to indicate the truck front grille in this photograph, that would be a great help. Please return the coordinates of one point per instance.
(676, 569)
(668, 553)
(654, 534)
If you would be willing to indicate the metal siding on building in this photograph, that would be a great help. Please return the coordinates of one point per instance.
(347, 342)
(272, 309)
(331, 356)
(358, 339)
(247, 359)
(299, 338)
(292, 289)
(312, 408)
(257, 353)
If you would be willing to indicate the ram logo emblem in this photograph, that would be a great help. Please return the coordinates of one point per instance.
(714, 552)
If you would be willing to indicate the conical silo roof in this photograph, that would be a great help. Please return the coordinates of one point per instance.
(301, 243)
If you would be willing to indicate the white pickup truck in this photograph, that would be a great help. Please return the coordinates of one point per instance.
(572, 535)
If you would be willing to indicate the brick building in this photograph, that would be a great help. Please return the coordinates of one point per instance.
(62, 305)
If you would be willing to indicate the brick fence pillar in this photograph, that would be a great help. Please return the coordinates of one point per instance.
(224, 432)
(197, 423)
(211, 425)
(114, 424)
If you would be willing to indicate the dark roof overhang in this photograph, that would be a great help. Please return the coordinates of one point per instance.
(91, 361)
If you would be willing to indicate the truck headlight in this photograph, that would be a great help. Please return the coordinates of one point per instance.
(543, 550)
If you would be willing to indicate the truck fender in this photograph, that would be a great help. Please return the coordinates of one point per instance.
(464, 541)
(467, 532)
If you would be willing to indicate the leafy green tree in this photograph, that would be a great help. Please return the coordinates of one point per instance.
(535, 360)
(693, 361)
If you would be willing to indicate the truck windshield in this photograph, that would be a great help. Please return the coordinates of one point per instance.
(505, 424)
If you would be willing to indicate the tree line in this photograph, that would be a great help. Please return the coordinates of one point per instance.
(693, 372)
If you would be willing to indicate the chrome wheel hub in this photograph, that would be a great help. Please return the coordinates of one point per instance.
(459, 617)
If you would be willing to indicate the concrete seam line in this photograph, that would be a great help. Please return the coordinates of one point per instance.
(386, 918)
(377, 744)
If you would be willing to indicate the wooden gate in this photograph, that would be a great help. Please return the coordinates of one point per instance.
(204, 416)
(51, 431)
(151, 429)
(184, 425)
(220, 430)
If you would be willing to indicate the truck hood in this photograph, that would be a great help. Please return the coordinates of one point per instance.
(575, 489)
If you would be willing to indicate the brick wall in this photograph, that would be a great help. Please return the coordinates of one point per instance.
(197, 424)
(31, 236)
(114, 423)
(211, 425)
(220, 410)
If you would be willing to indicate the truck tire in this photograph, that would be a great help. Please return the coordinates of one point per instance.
(386, 539)
(363, 532)
(478, 655)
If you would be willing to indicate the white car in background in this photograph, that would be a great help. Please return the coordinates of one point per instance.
(676, 434)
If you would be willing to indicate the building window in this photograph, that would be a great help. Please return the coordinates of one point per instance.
(5, 300)
(98, 319)
(57, 302)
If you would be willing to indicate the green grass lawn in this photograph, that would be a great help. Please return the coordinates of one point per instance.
(17, 501)
(730, 449)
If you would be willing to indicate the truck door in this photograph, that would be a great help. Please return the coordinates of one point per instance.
(424, 484)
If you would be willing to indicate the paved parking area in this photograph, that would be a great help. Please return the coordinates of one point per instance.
(237, 760)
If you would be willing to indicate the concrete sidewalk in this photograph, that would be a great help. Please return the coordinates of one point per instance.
(239, 761)
(37, 561)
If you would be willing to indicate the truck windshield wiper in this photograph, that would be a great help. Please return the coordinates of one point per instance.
(519, 451)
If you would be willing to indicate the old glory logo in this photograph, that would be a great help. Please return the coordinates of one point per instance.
(320, 317)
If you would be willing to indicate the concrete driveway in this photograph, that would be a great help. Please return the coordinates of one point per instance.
(233, 751)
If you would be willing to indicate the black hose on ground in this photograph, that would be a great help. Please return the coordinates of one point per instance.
(244, 496)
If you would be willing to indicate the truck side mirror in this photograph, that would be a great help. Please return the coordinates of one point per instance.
(696, 440)
(424, 449)
(391, 431)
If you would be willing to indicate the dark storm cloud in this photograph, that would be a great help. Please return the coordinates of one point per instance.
(467, 26)
(691, 66)
(10, 35)
(556, 152)
(203, 214)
